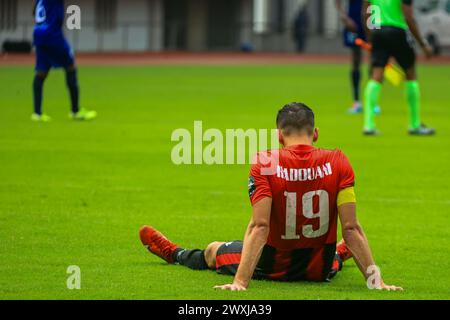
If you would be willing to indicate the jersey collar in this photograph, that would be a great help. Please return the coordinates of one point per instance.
(300, 147)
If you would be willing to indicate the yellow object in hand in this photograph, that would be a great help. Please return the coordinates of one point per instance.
(394, 75)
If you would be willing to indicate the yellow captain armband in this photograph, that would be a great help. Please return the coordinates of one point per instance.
(346, 196)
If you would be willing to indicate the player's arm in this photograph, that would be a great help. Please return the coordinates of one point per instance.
(346, 20)
(408, 12)
(356, 239)
(254, 241)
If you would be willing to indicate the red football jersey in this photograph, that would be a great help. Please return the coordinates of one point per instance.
(304, 184)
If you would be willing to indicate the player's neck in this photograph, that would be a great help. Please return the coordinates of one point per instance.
(298, 140)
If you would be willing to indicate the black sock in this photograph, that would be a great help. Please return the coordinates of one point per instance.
(38, 84)
(72, 84)
(193, 259)
(356, 78)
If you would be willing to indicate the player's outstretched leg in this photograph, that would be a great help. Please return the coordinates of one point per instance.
(198, 259)
(72, 86)
(38, 88)
(195, 259)
(158, 244)
(416, 127)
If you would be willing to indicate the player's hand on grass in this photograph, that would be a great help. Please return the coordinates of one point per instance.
(386, 287)
(235, 286)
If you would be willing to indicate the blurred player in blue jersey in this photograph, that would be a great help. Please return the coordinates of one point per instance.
(354, 28)
(53, 51)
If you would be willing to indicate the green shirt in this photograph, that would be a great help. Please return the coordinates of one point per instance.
(391, 12)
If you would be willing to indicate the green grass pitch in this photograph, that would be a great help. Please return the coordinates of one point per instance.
(77, 193)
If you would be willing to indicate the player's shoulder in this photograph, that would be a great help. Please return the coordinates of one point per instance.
(333, 155)
(329, 152)
(266, 157)
(338, 163)
(264, 161)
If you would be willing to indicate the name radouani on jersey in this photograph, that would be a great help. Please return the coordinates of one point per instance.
(304, 174)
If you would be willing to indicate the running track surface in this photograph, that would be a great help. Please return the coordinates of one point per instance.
(182, 58)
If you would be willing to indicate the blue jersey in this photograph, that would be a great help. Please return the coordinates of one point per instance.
(49, 15)
(355, 8)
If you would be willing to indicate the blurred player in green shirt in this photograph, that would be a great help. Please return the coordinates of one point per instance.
(391, 39)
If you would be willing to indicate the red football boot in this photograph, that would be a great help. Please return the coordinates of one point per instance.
(343, 251)
(157, 243)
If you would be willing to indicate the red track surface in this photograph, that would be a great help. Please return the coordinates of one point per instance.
(178, 58)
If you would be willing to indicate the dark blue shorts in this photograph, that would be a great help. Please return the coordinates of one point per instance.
(350, 37)
(54, 56)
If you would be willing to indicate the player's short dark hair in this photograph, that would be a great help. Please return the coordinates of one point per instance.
(296, 117)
